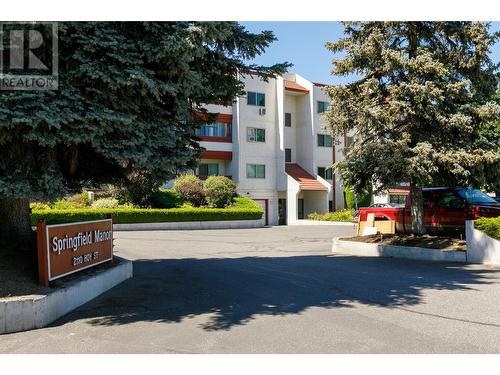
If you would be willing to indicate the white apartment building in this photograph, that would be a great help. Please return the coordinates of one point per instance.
(273, 144)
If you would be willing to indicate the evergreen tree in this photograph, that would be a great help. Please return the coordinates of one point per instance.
(418, 109)
(126, 103)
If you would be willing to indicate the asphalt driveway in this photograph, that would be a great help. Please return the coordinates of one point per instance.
(276, 290)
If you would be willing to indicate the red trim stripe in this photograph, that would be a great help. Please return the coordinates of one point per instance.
(219, 155)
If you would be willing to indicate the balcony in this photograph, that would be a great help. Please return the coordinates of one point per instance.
(224, 139)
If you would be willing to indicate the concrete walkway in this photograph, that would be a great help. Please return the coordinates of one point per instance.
(276, 290)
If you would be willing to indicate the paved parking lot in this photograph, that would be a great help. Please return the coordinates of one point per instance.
(276, 290)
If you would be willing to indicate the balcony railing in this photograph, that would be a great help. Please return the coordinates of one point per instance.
(207, 138)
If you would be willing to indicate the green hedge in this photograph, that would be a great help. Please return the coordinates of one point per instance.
(489, 225)
(242, 209)
(341, 215)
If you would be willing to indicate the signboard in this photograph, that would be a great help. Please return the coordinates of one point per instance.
(64, 249)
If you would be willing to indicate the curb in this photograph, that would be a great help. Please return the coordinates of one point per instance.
(481, 248)
(191, 225)
(40, 310)
(404, 252)
(319, 222)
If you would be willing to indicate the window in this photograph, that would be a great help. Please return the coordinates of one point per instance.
(217, 129)
(325, 173)
(256, 98)
(288, 155)
(211, 169)
(256, 171)
(449, 200)
(426, 196)
(288, 120)
(324, 140)
(397, 198)
(473, 196)
(349, 141)
(323, 107)
(256, 135)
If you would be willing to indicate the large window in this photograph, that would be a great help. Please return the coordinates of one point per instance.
(288, 155)
(325, 173)
(288, 120)
(324, 140)
(473, 196)
(256, 135)
(217, 129)
(256, 171)
(397, 198)
(256, 98)
(323, 107)
(211, 169)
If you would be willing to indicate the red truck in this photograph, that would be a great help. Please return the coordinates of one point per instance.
(445, 210)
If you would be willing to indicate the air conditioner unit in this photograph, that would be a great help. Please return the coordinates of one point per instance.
(262, 111)
(251, 138)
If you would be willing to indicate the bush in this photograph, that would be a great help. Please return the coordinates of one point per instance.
(165, 198)
(247, 203)
(81, 199)
(219, 191)
(121, 194)
(63, 204)
(242, 209)
(106, 203)
(39, 206)
(341, 215)
(190, 189)
(489, 225)
(364, 199)
(141, 184)
(184, 179)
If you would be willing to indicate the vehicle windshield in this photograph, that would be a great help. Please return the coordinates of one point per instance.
(473, 196)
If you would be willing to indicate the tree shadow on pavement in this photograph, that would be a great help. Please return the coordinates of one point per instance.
(236, 290)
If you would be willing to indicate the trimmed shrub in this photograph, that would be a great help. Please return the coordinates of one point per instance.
(489, 225)
(242, 209)
(190, 189)
(106, 203)
(247, 203)
(341, 215)
(165, 198)
(219, 191)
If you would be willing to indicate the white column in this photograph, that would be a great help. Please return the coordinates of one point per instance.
(292, 194)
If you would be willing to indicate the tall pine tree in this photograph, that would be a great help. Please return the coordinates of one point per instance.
(424, 92)
(125, 104)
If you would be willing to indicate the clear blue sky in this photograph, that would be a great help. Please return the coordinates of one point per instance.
(303, 45)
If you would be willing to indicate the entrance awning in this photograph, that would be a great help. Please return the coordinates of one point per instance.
(305, 180)
(295, 87)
